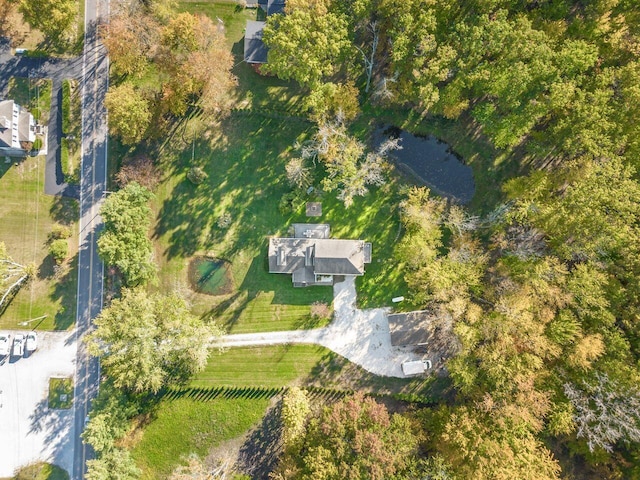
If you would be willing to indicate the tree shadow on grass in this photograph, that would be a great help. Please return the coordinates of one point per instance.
(65, 291)
(245, 170)
(64, 210)
(259, 454)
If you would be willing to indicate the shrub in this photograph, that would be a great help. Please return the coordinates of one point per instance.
(66, 106)
(59, 232)
(37, 145)
(320, 310)
(288, 203)
(59, 250)
(197, 175)
(141, 170)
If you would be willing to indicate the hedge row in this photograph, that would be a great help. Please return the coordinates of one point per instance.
(65, 159)
(66, 107)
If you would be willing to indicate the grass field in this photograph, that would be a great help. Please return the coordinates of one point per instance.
(182, 426)
(27, 216)
(59, 387)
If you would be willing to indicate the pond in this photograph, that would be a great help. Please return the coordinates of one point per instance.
(210, 275)
(431, 162)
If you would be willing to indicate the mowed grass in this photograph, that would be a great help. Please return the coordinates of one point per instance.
(274, 366)
(27, 216)
(182, 426)
(60, 393)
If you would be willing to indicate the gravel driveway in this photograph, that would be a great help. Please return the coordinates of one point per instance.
(361, 336)
(29, 431)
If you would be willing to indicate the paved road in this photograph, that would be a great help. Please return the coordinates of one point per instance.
(92, 190)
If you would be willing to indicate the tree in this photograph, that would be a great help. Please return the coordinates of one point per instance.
(130, 39)
(195, 58)
(59, 249)
(297, 173)
(295, 410)
(147, 342)
(124, 242)
(331, 100)
(350, 169)
(12, 276)
(308, 43)
(53, 19)
(605, 412)
(355, 438)
(114, 464)
(476, 446)
(129, 113)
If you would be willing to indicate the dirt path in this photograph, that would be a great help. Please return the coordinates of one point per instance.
(361, 336)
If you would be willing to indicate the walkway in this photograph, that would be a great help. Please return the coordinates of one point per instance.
(361, 336)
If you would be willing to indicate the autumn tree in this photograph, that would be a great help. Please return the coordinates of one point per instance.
(129, 113)
(198, 64)
(605, 412)
(149, 341)
(350, 169)
(124, 242)
(130, 38)
(53, 19)
(356, 438)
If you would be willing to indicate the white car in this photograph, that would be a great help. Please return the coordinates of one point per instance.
(5, 344)
(18, 345)
(32, 342)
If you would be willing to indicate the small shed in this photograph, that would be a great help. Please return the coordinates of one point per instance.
(415, 367)
(255, 51)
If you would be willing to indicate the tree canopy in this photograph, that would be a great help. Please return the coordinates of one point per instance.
(124, 242)
(149, 341)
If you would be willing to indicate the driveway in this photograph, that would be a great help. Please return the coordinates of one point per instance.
(29, 431)
(361, 336)
(57, 70)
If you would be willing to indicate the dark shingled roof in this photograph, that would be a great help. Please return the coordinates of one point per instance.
(272, 6)
(255, 51)
(410, 328)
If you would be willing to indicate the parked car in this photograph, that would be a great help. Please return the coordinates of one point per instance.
(18, 345)
(415, 367)
(5, 344)
(32, 342)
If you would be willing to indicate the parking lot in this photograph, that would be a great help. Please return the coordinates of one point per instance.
(29, 431)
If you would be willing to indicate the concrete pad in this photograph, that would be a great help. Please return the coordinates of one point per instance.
(29, 430)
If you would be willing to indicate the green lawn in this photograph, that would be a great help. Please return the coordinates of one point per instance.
(60, 393)
(279, 366)
(184, 425)
(32, 94)
(27, 216)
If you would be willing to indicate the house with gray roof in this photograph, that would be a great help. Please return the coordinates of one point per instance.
(312, 258)
(17, 129)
